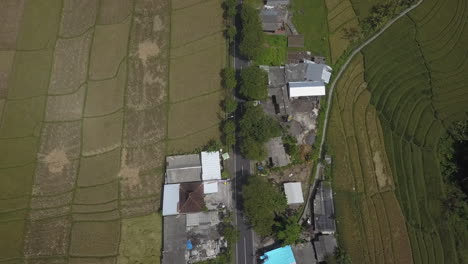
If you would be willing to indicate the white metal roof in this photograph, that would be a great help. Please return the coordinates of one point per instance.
(293, 192)
(170, 199)
(298, 89)
(210, 187)
(211, 166)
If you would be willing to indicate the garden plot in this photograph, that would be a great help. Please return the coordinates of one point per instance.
(114, 11)
(141, 240)
(22, 118)
(71, 58)
(77, 17)
(6, 63)
(194, 75)
(102, 134)
(66, 107)
(34, 35)
(106, 96)
(99, 169)
(196, 22)
(48, 237)
(30, 74)
(98, 239)
(99, 194)
(10, 17)
(145, 126)
(108, 50)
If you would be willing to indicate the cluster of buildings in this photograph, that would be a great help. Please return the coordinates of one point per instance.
(195, 199)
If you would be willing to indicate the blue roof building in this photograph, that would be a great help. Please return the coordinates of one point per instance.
(282, 255)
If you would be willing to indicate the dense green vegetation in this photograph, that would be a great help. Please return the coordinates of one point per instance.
(253, 83)
(255, 129)
(252, 36)
(310, 19)
(274, 52)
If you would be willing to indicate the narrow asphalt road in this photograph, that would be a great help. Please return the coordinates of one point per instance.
(332, 88)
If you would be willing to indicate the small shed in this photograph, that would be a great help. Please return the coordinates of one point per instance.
(304, 89)
(293, 191)
(282, 255)
(273, 20)
(296, 41)
(170, 199)
(211, 166)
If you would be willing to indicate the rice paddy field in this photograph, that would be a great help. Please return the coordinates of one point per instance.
(198, 54)
(390, 109)
(83, 105)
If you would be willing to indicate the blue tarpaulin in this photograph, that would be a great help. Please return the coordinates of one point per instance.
(282, 255)
(189, 245)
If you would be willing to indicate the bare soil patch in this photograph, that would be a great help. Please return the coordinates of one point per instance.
(47, 237)
(139, 207)
(65, 107)
(97, 194)
(107, 96)
(22, 118)
(108, 49)
(102, 134)
(300, 173)
(145, 126)
(77, 16)
(36, 66)
(16, 181)
(95, 238)
(114, 11)
(10, 17)
(99, 169)
(70, 64)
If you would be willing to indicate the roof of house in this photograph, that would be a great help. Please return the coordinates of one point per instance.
(170, 199)
(293, 192)
(283, 255)
(324, 211)
(296, 41)
(277, 153)
(272, 19)
(308, 71)
(298, 89)
(211, 166)
(191, 198)
(183, 168)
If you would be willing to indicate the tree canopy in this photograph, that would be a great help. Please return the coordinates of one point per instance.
(228, 76)
(251, 35)
(289, 231)
(263, 201)
(254, 83)
(256, 128)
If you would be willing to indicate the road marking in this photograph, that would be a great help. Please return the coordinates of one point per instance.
(245, 252)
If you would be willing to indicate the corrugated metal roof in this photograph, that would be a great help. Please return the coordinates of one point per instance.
(170, 199)
(211, 166)
(293, 192)
(282, 255)
(298, 89)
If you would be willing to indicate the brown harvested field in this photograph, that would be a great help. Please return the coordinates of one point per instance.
(105, 207)
(70, 68)
(206, 43)
(95, 239)
(196, 22)
(194, 74)
(10, 18)
(47, 237)
(177, 4)
(104, 216)
(6, 62)
(21, 119)
(96, 194)
(49, 180)
(147, 184)
(108, 260)
(190, 142)
(145, 126)
(365, 200)
(114, 11)
(40, 202)
(39, 214)
(77, 17)
(105, 97)
(66, 107)
(140, 159)
(102, 134)
(108, 50)
(99, 169)
(139, 207)
(36, 66)
(55, 260)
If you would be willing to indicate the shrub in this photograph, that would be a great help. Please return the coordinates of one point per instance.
(228, 76)
(252, 34)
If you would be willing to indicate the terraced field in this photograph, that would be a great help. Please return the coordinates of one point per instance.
(413, 86)
(82, 129)
(198, 53)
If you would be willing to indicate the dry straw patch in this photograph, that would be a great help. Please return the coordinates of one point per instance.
(145, 126)
(141, 159)
(106, 207)
(70, 64)
(55, 177)
(77, 16)
(65, 107)
(139, 207)
(114, 11)
(95, 239)
(47, 237)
